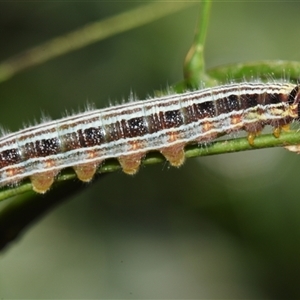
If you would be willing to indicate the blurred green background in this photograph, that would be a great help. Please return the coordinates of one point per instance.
(226, 226)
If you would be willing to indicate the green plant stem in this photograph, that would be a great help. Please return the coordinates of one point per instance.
(87, 35)
(265, 70)
(194, 66)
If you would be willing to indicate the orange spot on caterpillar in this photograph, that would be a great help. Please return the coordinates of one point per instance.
(207, 126)
(236, 119)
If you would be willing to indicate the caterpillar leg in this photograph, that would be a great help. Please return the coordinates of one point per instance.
(85, 172)
(277, 130)
(130, 164)
(42, 182)
(251, 137)
(174, 155)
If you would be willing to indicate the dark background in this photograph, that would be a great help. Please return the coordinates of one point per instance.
(225, 226)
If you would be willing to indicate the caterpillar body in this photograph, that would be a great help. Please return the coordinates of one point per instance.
(128, 131)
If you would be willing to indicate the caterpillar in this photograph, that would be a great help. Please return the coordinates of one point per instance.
(128, 131)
